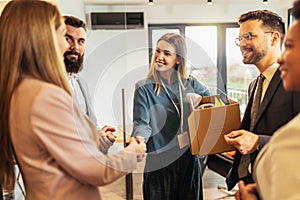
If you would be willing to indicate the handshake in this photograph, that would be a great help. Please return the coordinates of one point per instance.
(137, 145)
(107, 139)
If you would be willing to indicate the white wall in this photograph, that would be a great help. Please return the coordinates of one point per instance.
(202, 13)
(71, 7)
(117, 59)
(2, 4)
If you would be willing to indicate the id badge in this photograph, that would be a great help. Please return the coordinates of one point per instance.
(183, 139)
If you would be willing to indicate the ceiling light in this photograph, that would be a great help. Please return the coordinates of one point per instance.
(265, 2)
(209, 2)
(151, 2)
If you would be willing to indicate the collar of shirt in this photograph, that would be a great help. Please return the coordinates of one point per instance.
(174, 79)
(72, 75)
(72, 80)
(268, 74)
(270, 71)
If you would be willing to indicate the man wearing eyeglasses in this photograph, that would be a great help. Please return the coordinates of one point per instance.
(270, 106)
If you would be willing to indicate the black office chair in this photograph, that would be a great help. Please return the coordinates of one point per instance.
(220, 163)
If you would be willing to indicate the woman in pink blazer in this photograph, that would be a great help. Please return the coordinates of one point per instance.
(53, 142)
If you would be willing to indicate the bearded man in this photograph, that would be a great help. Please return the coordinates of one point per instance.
(73, 58)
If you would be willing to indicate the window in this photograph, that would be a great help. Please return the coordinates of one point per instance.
(202, 54)
(290, 18)
(239, 75)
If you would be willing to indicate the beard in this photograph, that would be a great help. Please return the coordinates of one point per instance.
(73, 65)
(255, 58)
(257, 55)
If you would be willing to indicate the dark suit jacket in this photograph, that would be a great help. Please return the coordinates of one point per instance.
(277, 108)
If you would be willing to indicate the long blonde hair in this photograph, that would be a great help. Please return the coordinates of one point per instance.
(178, 42)
(28, 46)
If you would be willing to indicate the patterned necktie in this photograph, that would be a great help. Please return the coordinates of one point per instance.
(256, 100)
(245, 159)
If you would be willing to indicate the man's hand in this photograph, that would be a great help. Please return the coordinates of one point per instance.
(245, 141)
(108, 132)
(106, 137)
(246, 192)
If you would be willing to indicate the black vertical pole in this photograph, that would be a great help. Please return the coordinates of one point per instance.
(124, 121)
(129, 187)
(1, 192)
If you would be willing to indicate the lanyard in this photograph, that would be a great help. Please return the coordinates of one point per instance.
(180, 113)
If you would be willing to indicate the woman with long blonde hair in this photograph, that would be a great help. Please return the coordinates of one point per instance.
(160, 116)
(53, 142)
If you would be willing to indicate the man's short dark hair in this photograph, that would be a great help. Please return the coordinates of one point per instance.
(269, 19)
(75, 22)
(296, 9)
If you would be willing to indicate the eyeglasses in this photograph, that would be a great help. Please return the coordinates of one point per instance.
(247, 36)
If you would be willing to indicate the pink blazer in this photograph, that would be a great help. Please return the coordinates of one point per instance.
(55, 146)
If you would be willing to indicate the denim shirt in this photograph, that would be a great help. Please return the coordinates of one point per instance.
(155, 118)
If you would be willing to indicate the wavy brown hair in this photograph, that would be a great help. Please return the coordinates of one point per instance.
(28, 46)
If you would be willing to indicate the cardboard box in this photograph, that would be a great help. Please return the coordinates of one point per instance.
(209, 125)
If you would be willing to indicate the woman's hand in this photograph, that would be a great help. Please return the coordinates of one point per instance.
(138, 147)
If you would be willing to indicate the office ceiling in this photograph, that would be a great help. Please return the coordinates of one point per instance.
(165, 2)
